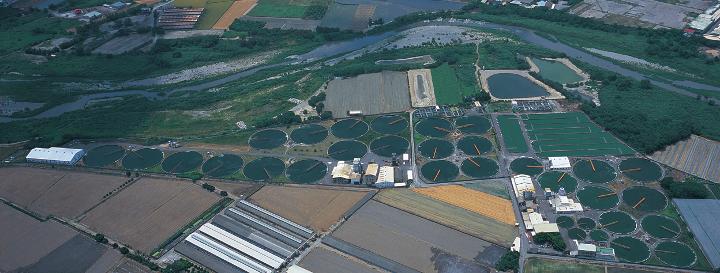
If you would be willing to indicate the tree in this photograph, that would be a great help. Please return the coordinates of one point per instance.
(178, 266)
(100, 238)
(223, 193)
(124, 250)
(509, 261)
(684, 190)
(645, 84)
(550, 238)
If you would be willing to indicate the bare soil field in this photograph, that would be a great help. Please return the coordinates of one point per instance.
(123, 44)
(375, 93)
(415, 242)
(46, 192)
(422, 91)
(237, 189)
(236, 10)
(315, 207)
(323, 259)
(148, 212)
(491, 206)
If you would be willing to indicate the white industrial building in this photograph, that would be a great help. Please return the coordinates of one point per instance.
(55, 155)
(560, 162)
(522, 183)
(385, 178)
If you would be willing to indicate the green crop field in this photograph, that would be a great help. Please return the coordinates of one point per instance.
(571, 134)
(538, 265)
(29, 29)
(512, 134)
(284, 8)
(452, 83)
(214, 9)
(715, 189)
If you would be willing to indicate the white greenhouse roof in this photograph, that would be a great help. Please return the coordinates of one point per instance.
(53, 154)
(561, 162)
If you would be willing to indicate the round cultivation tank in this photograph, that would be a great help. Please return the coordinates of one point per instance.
(472, 124)
(182, 162)
(347, 150)
(267, 139)
(142, 159)
(306, 171)
(439, 171)
(640, 169)
(555, 180)
(599, 236)
(586, 223)
(349, 128)
(222, 165)
(629, 249)
(388, 146)
(264, 168)
(660, 227)
(644, 198)
(526, 165)
(577, 234)
(596, 197)
(309, 134)
(389, 124)
(675, 254)
(436, 148)
(594, 171)
(474, 145)
(617, 222)
(433, 127)
(102, 156)
(565, 221)
(479, 167)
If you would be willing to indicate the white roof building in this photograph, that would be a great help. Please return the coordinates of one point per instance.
(560, 162)
(546, 228)
(55, 155)
(386, 177)
(522, 183)
(563, 204)
(297, 269)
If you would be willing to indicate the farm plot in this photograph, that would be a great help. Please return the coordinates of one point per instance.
(571, 134)
(415, 242)
(317, 208)
(280, 8)
(697, 156)
(512, 134)
(485, 204)
(376, 93)
(344, 16)
(149, 211)
(448, 215)
(50, 192)
(451, 86)
(323, 259)
(237, 9)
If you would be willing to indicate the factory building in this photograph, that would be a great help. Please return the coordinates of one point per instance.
(385, 178)
(343, 173)
(55, 155)
(371, 174)
(522, 183)
(561, 162)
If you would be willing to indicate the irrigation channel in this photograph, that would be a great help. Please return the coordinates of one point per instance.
(360, 46)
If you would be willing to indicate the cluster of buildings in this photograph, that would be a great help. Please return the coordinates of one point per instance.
(558, 5)
(707, 23)
(388, 176)
(88, 14)
(179, 18)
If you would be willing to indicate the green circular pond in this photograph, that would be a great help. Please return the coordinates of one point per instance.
(644, 198)
(347, 150)
(439, 171)
(472, 124)
(222, 165)
(577, 234)
(349, 128)
(474, 145)
(556, 71)
(142, 159)
(586, 223)
(596, 197)
(264, 168)
(267, 139)
(629, 249)
(640, 169)
(182, 162)
(434, 127)
(555, 180)
(388, 145)
(306, 171)
(675, 254)
(594, 171)
(436, 148)
(513, 86)
(565, 221)
(660, 226)
(389, 124)
(526, 165)
(309, 134)
(102, 156)
(617, 222)
(599, 235)
(479, 167)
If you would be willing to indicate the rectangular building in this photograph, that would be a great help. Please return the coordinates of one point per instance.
(386, 177)
(55, 155)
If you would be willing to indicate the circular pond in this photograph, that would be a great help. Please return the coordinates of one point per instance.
(142, 159)
(349, 128)
(479, 167)
(389, 124)
(599, 235)
(267, 139)
(586, 223)
(597, 198)
(617, 222)
(640, 169)
(309, 134)
(472, 124)
(526, 165)
(222, 165)
(306, 171)
(388, 145)
(182, 162)
(474, 145)
(434, 127)
(555, 180)
(264, 168)
(436, 148)
(675, 254)
(102, 156)
(565, 221)
(577, 234)
(439, 171)
(660, 226)
(594, 171)
(513, 86)
(630, 249)
(644, 198)
(347, 150)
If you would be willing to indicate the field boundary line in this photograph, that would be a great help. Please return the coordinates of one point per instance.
(45, 191)
(82, 215)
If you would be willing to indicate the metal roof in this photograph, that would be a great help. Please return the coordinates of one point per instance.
(53, 154)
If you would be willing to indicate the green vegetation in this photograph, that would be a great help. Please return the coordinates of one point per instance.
(553, 239)
(307, 9)
(510, 261)
(213, 11)
(512, 134)
(24, 29)
(454, 83)
(685, 189)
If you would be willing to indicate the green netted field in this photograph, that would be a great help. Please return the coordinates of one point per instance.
(306, 171)
(597, 198)
(555, 180)
(586, 223)
(142, 159)
(439, 171)
(434, 127)
(264, 168)
(629, 249)
(479, 167)
(389, 124)
(675, 254)
(222, 165)
(644, 199)
(512, 134)
(267, 139)
(599, 235)
(660, 226)
(388, 146)
(436, 148)
(347, 150)
(182, 162)
(472, 124)
(103, 155)
(594, 171)
(526, 165)
(640, 169)
(577, 234)
(474, 145)
(565, 221)
(309, 134)
(349, 128)
(617, 222)
(570, 134)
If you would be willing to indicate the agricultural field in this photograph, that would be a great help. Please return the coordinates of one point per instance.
(538, 265)
(214, 10)
(482, 203)
(449, 215)
(453, 83)
(237, 189)
(47, 192)
(376, 93)
(149, 212)
(29, 29)
(315, 207)
(289, 8)
(323, 259)
(697, 155)
(236, 10)
(512, 134)
(497, 187)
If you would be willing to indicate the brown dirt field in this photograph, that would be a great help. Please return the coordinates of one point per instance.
(476, 201)
(313, 207)
(148, 212)
(237, 189)
(236, 10)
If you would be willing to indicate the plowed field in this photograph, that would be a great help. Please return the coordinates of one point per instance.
(236, 10)
(485, 204)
